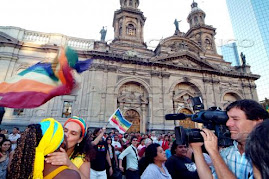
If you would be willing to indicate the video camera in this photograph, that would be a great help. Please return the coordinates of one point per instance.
(213, 119)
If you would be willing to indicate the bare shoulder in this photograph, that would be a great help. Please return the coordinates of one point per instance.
(68, 174)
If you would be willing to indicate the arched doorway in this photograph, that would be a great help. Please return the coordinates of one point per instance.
(182, 93)
(133, 98)
(134, 117)
(187, 123)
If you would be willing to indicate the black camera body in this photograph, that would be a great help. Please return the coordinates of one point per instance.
(213, 119)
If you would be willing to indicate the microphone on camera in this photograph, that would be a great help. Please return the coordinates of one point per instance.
(177, 116)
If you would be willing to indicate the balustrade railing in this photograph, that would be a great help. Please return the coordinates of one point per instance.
(36, 37)
(47, 38)
(80, 43)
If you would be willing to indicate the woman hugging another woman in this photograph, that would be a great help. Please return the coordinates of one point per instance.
(79, 151)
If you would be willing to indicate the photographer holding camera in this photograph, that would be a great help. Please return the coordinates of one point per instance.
(230, 162)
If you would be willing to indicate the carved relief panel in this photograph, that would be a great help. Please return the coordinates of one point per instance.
(133, 93)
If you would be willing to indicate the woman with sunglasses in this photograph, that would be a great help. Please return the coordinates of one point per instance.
(112, 155)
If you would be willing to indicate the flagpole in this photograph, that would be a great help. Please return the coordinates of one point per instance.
(106, 124)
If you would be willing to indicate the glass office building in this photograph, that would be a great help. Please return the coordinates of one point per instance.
(230, 53)
(251, 29)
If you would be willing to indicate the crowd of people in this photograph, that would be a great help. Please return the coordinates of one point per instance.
(51, 150)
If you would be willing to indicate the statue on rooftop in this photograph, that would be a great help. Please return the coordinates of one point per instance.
(243, 58)
(103, 34)
(176, 24)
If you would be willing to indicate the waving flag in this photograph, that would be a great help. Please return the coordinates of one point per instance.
(117, 120)
(42, 81)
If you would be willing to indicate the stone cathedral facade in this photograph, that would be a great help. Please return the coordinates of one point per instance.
(125, 74)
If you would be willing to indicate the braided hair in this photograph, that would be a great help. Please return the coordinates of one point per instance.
(24, 156)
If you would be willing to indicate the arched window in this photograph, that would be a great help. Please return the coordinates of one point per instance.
(120, 31)
(196, 20)
(131, 30)
(130, 2)
(208, 44)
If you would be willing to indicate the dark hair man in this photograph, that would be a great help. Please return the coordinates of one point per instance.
(14, 137)
(230, 162)
(132, 160)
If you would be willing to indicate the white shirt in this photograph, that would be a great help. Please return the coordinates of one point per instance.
(154, 139)
(114, 144)
(13, 138)
(131, 160)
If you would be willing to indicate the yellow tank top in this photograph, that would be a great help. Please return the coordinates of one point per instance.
(55, 172)
(78, 161)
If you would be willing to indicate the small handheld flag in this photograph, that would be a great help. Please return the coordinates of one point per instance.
(118, 121)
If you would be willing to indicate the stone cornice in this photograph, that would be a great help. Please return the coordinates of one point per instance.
(147, 62)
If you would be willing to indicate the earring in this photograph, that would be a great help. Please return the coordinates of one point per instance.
(78, 144)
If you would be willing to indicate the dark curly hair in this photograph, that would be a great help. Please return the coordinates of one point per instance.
(23, 159)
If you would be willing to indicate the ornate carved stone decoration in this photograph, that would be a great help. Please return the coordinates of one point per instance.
(132, 92)
(184, 91)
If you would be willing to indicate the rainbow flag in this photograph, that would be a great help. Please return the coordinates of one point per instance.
(118, 121)
(42, 81)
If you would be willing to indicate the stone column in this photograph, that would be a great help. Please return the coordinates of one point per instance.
(143, 120)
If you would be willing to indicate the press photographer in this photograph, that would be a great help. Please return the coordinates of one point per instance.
(230, 162)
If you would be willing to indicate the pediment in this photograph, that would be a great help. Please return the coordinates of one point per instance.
(184, 59)
(176, 44)
(6, 38)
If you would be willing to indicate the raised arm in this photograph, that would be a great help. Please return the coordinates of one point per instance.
(203, 170)
(99, 137)
(211, 145)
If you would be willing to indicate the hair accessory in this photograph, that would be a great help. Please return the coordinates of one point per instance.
(80, 122)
